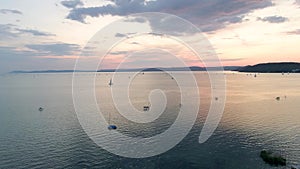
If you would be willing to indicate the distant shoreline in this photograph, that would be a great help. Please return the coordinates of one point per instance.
(193, 68)
(277, 67)
(280, 67)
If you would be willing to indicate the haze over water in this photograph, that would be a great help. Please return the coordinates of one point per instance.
(253, 120)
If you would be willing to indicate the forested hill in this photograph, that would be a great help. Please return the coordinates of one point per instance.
(280, 67)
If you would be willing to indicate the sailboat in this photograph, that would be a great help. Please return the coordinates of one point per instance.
(110, 126)
(110, 82)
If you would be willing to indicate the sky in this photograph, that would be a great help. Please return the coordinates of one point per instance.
(51, 34)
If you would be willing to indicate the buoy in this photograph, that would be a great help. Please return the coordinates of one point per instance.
(112, 127)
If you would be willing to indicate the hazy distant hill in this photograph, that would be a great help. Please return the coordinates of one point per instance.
(46, 71)
(192, 68)
(280, 67)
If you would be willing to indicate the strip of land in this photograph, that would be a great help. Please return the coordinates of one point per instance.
(278, 67)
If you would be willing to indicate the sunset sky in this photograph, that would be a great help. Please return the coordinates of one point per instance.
(50, 34)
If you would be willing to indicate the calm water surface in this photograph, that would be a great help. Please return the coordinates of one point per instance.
(253, 120)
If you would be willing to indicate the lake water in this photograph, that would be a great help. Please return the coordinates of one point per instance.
(253, 120)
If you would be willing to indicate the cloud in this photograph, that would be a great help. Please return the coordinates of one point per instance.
(136, 19)
(224, 60)
(119, 53)
(232, 19)
(162, 25)
(273, 19)
(121, 35)
(71, 3)
(8, 31)
(55, 49)
(13, 54)
(10, 11)
(13, 58)
(295, 32)
(33, 50)
(34, 32)
(58, 57)
(38, 56)
(4, 50)
(209, 15)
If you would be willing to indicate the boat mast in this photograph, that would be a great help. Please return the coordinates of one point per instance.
(108, 117)
(110, 84)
